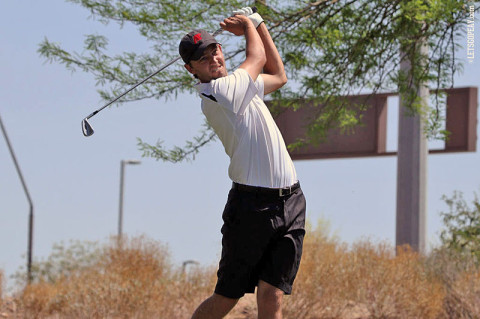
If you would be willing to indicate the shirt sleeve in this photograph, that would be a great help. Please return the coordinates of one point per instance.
(234, 91)
(260, 84)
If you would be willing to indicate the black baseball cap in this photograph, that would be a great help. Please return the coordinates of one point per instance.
(194, 43)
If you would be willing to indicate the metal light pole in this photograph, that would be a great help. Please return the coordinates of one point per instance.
(122, 178)
(188, 262)
(30, 217)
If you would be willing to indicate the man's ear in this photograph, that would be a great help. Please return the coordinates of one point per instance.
(189, 68)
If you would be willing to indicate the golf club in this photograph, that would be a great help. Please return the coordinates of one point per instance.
(87, 129)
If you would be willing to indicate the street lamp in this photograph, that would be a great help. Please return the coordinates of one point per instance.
(122, 177)
(29, 198)
(188, 262)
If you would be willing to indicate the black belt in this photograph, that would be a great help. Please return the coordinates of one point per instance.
(268, 191)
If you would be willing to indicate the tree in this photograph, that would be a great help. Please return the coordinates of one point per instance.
(330, 49)
(462, 225)
(64, 260)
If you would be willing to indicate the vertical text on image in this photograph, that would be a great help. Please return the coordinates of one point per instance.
(471, 34)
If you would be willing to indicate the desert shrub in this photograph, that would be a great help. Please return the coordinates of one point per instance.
(136, 279)
(189, 289)
(460, 276)
(131, 280)
(462, 225)
(316, 283)
(62, 262)
(463, 297)
(457, 261)
(367, 279)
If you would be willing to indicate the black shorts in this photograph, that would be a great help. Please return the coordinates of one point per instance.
(262, 240)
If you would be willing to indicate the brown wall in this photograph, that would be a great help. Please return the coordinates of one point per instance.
(369, 139)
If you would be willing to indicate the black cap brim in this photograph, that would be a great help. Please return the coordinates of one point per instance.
(199, 52)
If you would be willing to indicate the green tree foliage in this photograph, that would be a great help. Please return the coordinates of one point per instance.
(462, 225)
(330, 49)
(62, 262)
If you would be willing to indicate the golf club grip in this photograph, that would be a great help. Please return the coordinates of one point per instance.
(254, 9)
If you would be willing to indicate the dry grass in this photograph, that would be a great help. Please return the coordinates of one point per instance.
(463, 298)
(135, 281)
(365, 280)
(460, 275)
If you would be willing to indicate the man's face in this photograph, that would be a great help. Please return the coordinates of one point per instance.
(210, 66)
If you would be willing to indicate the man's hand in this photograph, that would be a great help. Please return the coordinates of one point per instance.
(248, 12)
(254, 51)
(274, 76)
(236, 24)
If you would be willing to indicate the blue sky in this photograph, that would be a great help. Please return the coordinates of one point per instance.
(74, 181)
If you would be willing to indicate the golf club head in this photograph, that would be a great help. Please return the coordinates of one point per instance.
(86, 128)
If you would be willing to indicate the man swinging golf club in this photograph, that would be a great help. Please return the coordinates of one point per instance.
(264, 217)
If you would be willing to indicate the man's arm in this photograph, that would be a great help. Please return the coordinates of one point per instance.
(274, 76)
(255, 52)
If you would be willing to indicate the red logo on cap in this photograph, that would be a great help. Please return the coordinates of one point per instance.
(197, 37)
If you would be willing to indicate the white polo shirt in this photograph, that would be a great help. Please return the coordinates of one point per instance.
(235, 109)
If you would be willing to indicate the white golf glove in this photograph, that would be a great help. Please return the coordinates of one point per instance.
(248, 12)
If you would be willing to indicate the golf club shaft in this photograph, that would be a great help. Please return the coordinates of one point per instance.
(143, 81)
(134, 87)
